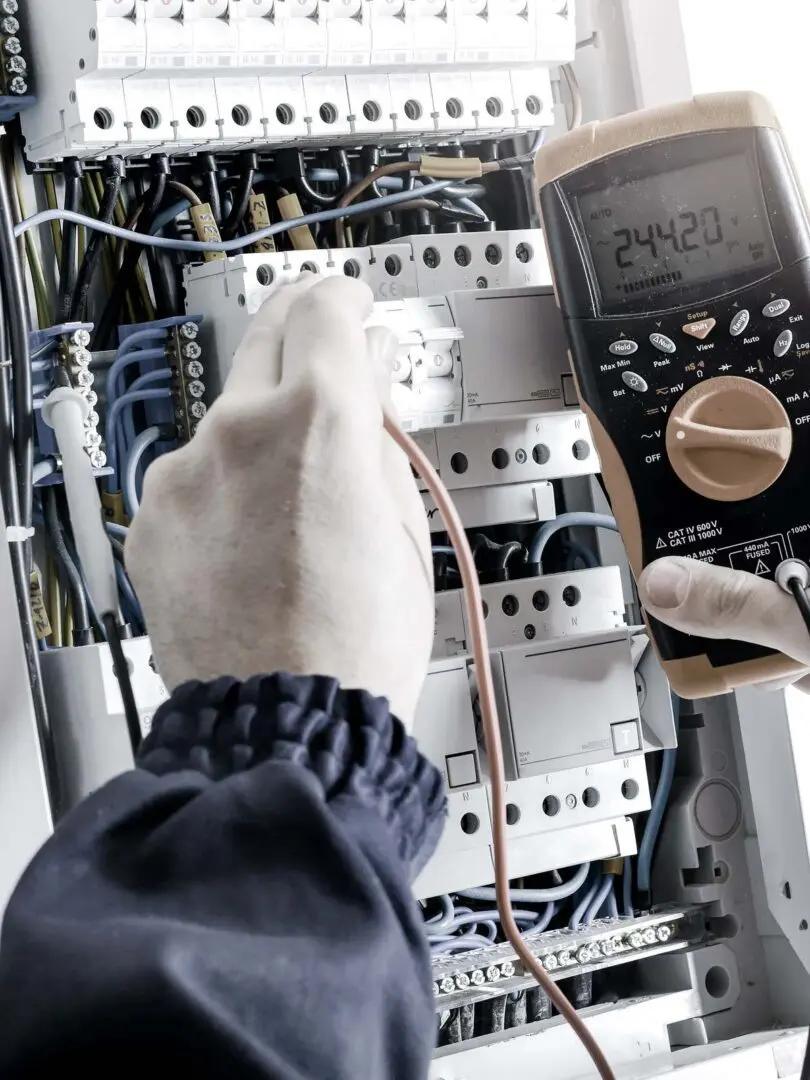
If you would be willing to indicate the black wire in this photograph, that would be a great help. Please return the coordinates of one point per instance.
(114, 638)
(211, 185)
(113, 179)
(241, 197)
(126, 277)
(82, 633)
(70, 241)
(805, 1075)
(15, 306)
(802, 602)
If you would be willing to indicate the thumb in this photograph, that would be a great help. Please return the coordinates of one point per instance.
(715, 602)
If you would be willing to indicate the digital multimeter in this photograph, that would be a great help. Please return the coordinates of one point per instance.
(680, 250)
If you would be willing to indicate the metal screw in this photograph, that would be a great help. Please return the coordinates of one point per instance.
(650, 936)
(663, 933)
(550, 962)
(197, 409)
(189, 331)
(571, 801)
(635, 940)
(463, 981)
(12, 46)
(18, 85)
(92, 439)
(436, 989)
(481, 283)
(194, 369)
(10, 25)
(529, 632)
(92, 419)
(16, 65)
(608, 948)
(9, 7)
(81, 338)
(196, 389)
(565, 958)
(91, 397)
(507, 969)
(583, 954)
(431, 258)
(192, 351)
(523, 253)
(82, 357)
(521, 456)
(194, 428)
(493, 974)
(98, 459)
(478, 978)
(510, 606)
(447, 985)
(85, 377)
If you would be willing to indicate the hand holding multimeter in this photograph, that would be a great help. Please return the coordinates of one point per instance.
(680, 248)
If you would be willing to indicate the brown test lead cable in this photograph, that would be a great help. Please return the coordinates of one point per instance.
(489, 716)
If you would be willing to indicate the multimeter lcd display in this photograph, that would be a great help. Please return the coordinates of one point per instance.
(678, 228)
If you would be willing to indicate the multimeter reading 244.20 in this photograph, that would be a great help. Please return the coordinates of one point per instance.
(679, 245)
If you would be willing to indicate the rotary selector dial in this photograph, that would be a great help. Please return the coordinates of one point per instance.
(728, 438)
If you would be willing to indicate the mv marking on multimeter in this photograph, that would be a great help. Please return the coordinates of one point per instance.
(680, 249)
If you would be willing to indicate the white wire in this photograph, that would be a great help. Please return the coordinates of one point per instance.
(138, 449)
(240, 242)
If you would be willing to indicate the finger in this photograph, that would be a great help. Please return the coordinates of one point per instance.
(325, 340)
(382, 344)
(257, 363)
(714, 602)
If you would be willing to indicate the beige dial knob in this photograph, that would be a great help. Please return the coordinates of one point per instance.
(728, 438)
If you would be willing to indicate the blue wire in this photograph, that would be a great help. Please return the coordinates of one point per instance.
(169, 214)
(627, 888)
(126, 432)
(583, 904)
(113, 413)
(566, 521)
(123, 360)
(119, 531)
(595, 906)
(656, 815)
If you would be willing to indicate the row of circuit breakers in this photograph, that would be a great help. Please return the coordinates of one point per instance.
(581, 697)
(134, 76)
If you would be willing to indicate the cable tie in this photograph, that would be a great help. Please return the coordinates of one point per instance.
(18, 534)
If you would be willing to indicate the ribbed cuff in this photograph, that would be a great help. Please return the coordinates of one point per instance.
(346, 739)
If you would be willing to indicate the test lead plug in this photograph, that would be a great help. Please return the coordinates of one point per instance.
(793, 576)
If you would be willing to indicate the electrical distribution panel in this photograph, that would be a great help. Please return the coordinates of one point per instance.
(702, 945)
(134, 76)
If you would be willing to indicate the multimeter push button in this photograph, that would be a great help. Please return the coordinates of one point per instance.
(634, 381)
(662, 343)
(739, 323)
(774, 308)
(623, 347)
(783, 343)
(699, 329)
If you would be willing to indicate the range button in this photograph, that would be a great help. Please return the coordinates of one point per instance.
(739, 322)
(623, 347)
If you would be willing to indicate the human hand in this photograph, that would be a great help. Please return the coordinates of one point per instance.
(289, 534)
(715, 602)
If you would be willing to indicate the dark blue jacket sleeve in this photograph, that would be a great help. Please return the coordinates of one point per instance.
(239, 905)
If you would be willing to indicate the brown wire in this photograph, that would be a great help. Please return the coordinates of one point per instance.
(489, 715)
